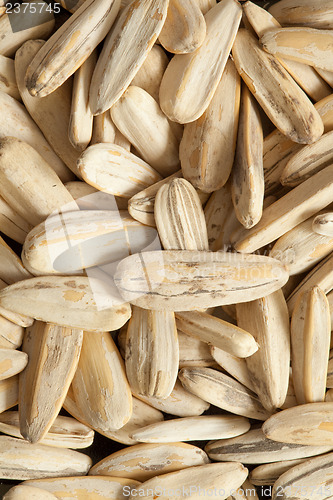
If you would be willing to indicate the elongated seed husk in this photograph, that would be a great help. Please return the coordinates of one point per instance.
(301, 248)
(65, 432)
(12, 224)
(236, 367)
(312, 476)
(53, 354)
(11, 335)
(81, 120)
(81, 488)
(22, 491)
(152, 344)
(22, 460)
(193, 429)
(323, 224)
(223, 391)
(111, 406)
(7, 77)
(16, 27)
(302, 44)
(317, 14)
(283, 101)
(22, 169)
(63, 243)
(184, 29)
(11, 267)
(141, 205)
(75, 302)
(248, 175)
(179, 217)
(310, 339)
(223, 477)
(141, 461)
(321, 275)
(308, 161)
(9, 389)
(267, 474)
(19, 124)
(151, 72)
(65, 52)
(208, 144)
(113, 169)
(190, 80)
(125, 50)
(140, 119)
(303, 424)
(52, 113)
(11, 362)
(181, 402)
(290, 210)
(267, 319)
(189, 280)
(306, 77)
(254, 448)
(235, 341)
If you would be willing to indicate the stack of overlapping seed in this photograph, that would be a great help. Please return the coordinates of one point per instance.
(146, 199)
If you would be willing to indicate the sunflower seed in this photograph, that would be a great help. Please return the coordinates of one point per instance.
(11, 362)
(267, 474)
(22, 492)
(323, 224)
(317, 15)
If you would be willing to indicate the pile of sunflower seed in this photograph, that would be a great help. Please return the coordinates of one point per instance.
(170, 256)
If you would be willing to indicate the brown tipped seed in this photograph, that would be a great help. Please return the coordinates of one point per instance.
(179, 217)
(21, 460)
(113, 169)
(150, 74)
(11, 362)
(152, 344)
(306, 77)
(308, 424)
(81, 120)
(305, 45)
(248, 175)
(63, 243)
(236, 367)
(267, 319)
(16, 27)
(52, 113)
(109, 407)
(297, 205)
(219, 333)
(140, 119)
(310, 338)
(323, 224)
(187, 280)
(208, 144)
(75, 302)
(223, 391)
(22, 172)
(81, 488)
(281, 98)
(142, 461)
(53, 354)
(68, 48)
(141, 205)
(267, 474)
(22, 492)
(308, 161)
(125, 50)
(184, 29)
(301, 248)
(190, 80)
(318, 15)
(313, 477)
(254, 448)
